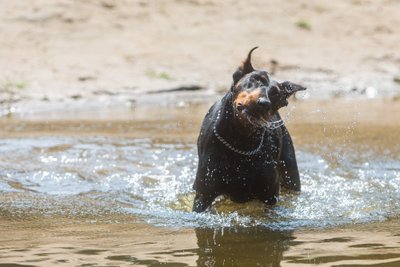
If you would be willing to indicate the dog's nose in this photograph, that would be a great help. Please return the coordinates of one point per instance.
(264, 102)
(240, 106)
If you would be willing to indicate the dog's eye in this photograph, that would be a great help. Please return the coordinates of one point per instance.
(274, 91)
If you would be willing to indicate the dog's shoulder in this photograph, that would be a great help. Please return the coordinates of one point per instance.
(211, 115)
(206, 131)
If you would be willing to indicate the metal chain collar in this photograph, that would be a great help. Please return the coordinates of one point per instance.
(234, 149)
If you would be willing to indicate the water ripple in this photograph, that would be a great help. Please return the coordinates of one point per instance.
(152, 181)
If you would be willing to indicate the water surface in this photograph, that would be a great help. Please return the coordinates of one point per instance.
(118, 191)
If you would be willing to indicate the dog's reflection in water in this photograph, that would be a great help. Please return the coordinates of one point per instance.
(241, 246)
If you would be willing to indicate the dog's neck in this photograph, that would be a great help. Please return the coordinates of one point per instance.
(237, 132)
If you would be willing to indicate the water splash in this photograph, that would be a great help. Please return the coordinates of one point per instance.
(152, 181)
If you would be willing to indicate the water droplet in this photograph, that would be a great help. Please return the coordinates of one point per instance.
(371, 92)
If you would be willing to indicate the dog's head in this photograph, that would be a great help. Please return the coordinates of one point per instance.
(256, 96)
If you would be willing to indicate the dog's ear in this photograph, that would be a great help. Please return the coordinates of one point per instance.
(243, 69)
(291, 88)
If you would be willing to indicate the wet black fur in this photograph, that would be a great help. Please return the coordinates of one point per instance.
(242, 178)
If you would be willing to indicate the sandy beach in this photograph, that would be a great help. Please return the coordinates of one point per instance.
(113, 52)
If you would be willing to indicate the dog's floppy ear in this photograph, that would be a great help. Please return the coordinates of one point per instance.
(243, 69)
(291, 88)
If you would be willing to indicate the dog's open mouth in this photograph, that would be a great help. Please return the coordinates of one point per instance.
(259, 121)
(259, 106)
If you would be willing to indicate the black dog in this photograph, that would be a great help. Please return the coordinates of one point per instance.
(245, 151)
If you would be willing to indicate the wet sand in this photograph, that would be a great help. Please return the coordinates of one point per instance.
(330, 119)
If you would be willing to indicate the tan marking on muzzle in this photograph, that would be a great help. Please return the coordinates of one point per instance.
(247, 98)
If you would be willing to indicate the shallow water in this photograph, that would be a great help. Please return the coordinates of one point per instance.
(118, 191)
